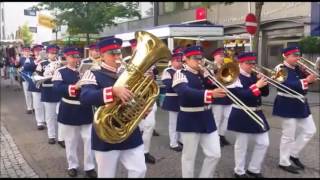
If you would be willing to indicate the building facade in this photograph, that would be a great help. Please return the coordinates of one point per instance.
(282, 23)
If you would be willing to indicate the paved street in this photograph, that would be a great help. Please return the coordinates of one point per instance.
(26, 153)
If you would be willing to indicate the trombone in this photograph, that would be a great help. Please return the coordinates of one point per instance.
(226, 75)
(308, 69)
(277, 77)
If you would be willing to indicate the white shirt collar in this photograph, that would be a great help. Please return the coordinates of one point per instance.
(110, 68)
(73, 69)
(288, 65)
(188, 68)
(244, 73)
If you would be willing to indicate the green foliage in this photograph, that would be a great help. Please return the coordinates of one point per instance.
(26, 35)
(310, 45)
(90, 17)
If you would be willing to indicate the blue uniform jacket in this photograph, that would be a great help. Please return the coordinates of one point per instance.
(283, 106)
(71, 111)
(191, 88)
(171, 100)
(47, 92)
(28, 66)
(239, 120)
(92, 93)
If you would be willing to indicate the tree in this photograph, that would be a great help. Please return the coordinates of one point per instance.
(90, 17)
(310, 45)
(26, 35)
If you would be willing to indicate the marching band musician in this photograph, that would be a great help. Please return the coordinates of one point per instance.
(48, 96)
(195, 119)
(171, 101)
(222, 106)
(93, 54)
(291, 145)
(36, 92)
(97, 89)
(28, 66)
(148, 123)
(249, 90)
(75, 118)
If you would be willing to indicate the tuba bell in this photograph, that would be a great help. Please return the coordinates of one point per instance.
(116, 121)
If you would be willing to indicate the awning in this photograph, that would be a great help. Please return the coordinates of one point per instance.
(176, 31)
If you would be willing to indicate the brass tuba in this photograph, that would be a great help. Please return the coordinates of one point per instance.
(115, 122)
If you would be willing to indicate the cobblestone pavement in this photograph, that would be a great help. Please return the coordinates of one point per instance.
(13, 164)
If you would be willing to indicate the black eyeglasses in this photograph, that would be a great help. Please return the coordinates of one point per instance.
(196, 57)
(75, 56)
(114, 52)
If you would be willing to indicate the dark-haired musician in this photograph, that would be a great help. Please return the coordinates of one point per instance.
(97, 89)
(195, 119)
(75, 118)
(249, 89)
(293, 113)
(221, 106)
(171, 100)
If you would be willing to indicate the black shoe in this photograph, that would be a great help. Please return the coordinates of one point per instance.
(223, 141)
(290, 169)
(180, 143)
(29, 111)
(91, 174)
(177, 149)
(240, 176)
(297, 162)
(155, 133)
(61, 143)
(41, 127)
(255, 175)
(52, 141)
(149, 158)
(72, 172)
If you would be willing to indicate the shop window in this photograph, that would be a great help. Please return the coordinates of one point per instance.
(169, 7)
(186, 5)
(292, 44)
(275, 50)
(195, 4)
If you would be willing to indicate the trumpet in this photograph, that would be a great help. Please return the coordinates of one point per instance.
(277, 77)
(303, 63)
(226, 75)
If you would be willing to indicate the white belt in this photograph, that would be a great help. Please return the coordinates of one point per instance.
(75, 102)
(285, 95)
(252, 108)
(171, 94)
(195, 109)
(47, 85)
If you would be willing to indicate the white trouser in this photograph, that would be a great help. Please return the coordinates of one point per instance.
(38, 108)
(173, 134)
(210, 144)
(291, 145)
(131, 159)
(258, 154)
(147, 125)
(51, 118)
(27, 95)
(72, 136)
(60, 136)
(221, 114)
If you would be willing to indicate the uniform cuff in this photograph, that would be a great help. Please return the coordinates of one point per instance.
(255, 90)
(208, 97)
(72, 91)
(304, 84)
(107, 95)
